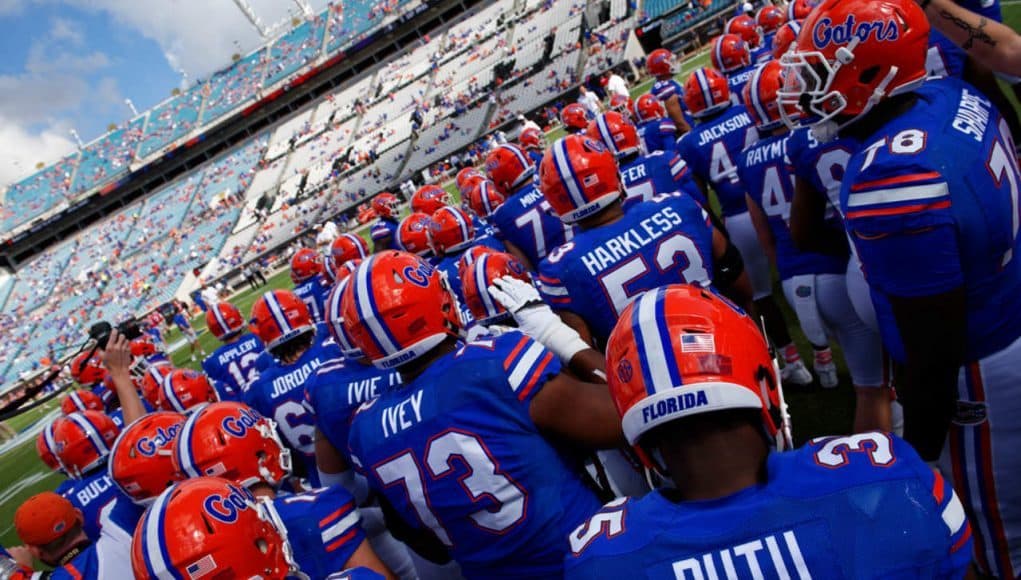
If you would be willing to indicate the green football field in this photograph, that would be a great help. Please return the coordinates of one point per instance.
(813, 413)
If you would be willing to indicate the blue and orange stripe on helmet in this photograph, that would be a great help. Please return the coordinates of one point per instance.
(658, 359)
(277, 313)
(182, 448)
(481, 285)
(365, 303)
(154, 546)
(756, 97)
(91, 433)
(77, 400)
(567, 175)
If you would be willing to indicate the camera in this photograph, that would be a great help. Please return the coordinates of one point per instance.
(100, 331)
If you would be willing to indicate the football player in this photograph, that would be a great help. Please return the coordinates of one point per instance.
(209, 526)
(82, 443)
(298, 347)
(644, 176)
(345, 248)
(930, 202)
(310, 285)
(185, 390)
(524, 220)
(815, 284)
(234, 442)
(700, 400)
(140, 462)
(87, 370)
(451, 234)
(616, 256)
(574, 118)
(533, 143)
(744, 26)
(730, 56)
(384, 230)
(463, 451)
(721, 132)
(660, 64)
(657, 132)
(413, 236)
(180, 320)
(769, 19)
(233, 363)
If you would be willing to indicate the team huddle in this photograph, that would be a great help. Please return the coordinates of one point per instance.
(579, 370)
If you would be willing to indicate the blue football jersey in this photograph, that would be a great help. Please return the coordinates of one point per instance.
(323, 528)
(655, 243)
(94, 494)
(944, 59)
(658, 135)
(656, 174)
(665, 89)
(313, 292)
(822, 165)
(527, 221)
(234, 364)
(767, 42)
(761, 54)
(383, 228)
(931, 203)
(766, 174)
(535, 155)
(455, 452)
(338, 388)
(864, 506)
(737, 79)
(712, 148)
(279, 393)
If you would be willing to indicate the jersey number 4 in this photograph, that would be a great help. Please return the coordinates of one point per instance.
(502, 501)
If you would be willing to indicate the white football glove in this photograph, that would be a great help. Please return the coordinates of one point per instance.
(535, 318)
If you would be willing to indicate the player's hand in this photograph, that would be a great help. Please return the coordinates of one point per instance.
(515, 295)
(22, 555)
(117, 356)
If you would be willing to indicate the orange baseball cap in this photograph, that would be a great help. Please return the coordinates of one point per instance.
(45, 517)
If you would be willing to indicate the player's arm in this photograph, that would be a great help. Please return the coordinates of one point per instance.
(993, 44)
(577, 411)
(365, 557)
(761, 223)
(334, 469)
(536, 319)
(676, 114)
(117, 358)
(808, 222)
(517, 253)
(729, 275)
(913, 259)
(422, 542)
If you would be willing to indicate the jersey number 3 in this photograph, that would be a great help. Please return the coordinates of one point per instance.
(834, 451)
(502, 500)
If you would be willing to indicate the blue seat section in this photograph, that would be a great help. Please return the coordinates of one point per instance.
(160, 216)
(171, 120)
(36, 194)
(295, 49)
(108, 157)
(229, 88)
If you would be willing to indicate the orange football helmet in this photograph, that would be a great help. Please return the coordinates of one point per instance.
(81, 400)
(213, 526)
(233, 441)
(450, 230)
(385, 204)
(224, 320)
(430, 198)
(730, 53)
(305, 263)
(706, 92)
(660, 63)
(508, 168)
(185, 389)
(478, 275)
(87, 369)
(574, 117)
(279, 317)
(617, 133)
(413, 233)
(682, 350)
(82, 441)
(579, 178)
(483, 199)
(396, 308)
(140, 461)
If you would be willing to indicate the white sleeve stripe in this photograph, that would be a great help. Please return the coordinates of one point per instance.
(553, 290)
(525, 364)
(341, 527)
(953, 514)
(925, 192)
